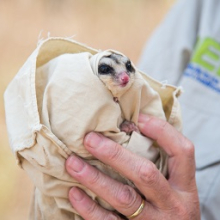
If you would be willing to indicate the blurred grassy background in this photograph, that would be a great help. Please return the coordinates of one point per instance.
(124, 25)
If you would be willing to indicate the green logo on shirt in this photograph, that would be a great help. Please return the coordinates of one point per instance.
(207, 55)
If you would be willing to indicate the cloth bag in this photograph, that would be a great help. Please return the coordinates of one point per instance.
(55, 99)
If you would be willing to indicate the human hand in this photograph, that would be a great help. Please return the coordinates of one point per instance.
(165, 199)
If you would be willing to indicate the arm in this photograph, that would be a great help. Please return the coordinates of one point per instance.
(175, 198)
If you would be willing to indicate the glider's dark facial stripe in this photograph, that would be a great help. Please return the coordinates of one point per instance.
(115, 58)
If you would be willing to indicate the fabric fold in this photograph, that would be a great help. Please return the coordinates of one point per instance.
(56, 99)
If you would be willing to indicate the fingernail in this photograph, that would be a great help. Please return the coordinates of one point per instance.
(76, 194)
(143, 118)
(75, 163)
(140, 125)
(93, 140)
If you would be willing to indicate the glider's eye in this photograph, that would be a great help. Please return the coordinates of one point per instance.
(129, 66)
(104, 69)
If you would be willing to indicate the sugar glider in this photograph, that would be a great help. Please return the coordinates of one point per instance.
(117, 73)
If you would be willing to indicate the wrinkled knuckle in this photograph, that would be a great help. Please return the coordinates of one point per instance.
(126, 196)
(163, 126)
(148, 173)
(113, 152)
(95, 177)
(92, 209)
(111, 216)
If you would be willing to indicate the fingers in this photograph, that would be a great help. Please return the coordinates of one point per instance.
(142, 172)
(165, 199)
(184, 206)
(173, 142)
(181, 163)
(122, 197)
(87, 208)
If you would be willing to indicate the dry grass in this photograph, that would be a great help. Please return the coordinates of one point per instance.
(121, 25)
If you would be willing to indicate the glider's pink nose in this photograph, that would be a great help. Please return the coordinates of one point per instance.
(124, 78)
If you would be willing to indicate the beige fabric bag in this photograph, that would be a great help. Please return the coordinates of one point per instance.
(55, 99)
